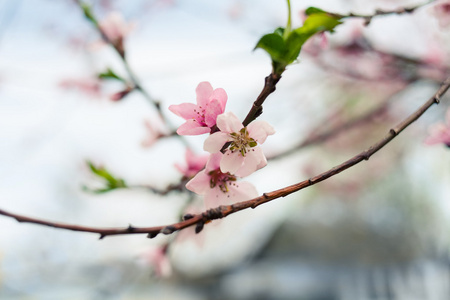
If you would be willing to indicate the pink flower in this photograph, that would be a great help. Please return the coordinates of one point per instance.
(201, 117)
(157, 258)
(88, 86)
(440, 133)
(218, 187)
(441, 11)
(242, 157)
(194, 164)
(115, 29)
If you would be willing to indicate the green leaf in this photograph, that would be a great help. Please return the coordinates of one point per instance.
(273, 44)
(109, 74)
(279, 31)
(319, 22)
(313, 10)
(111, 181)
(285, 50)
(88, 12)
(315, 23)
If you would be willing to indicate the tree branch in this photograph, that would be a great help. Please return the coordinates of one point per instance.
(269, 87)
(322, 137)
(380, 12)
(224, 210)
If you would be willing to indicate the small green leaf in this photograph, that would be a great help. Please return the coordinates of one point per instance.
(273, 44)
(313, 10)
(111, 181)
(279, 31)
(315, 23)
(88, 12)
(110, 74)
(319, 22)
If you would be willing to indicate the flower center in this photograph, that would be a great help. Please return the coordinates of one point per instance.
(242, 142)
(200, 115)
(220, 179)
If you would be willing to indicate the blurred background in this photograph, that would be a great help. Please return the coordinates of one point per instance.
(376, 231)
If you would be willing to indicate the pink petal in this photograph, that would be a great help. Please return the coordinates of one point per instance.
(215, 142)
(182, 169)
(191, 127)
(215, 197)
(228, 122)
(259, 130)
(203, 91)
(200, 183)
(213, 162)
(184, 110)
(237, 191)
(254, 160)
(231, 162)
(242, 191)
(221, 96)
(211, 113)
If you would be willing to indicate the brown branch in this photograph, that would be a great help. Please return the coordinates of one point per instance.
(319, 138)
(269, 87)
(222, 211)
(120, 50)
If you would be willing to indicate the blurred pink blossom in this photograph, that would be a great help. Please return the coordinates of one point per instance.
(89, 86)
(152, 135)
(441, 10)
(218, 187)
(157, 258)
(195, 163)
(242, 157)
(440, 133)
(115, 30)
(114, 27)
(201, 117)
(121, 94)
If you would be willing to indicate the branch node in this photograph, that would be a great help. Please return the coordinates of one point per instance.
(152, 235)
(437, 99)
(214, 213)
(265, 196)
(187, 217)
(199, 227)
(393, 131)
(102, 236)
(130, 228)
(168, 230)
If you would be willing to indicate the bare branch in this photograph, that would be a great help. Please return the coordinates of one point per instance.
(380, 12)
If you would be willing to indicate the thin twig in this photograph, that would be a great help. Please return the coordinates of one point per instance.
(133, 78)
(319, 138)
(380, 12)
(224, 210)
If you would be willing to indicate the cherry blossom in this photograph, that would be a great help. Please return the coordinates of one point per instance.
(242, 157)
(218, 187)
(194, 164)
(440, 133)
(115, 29)
(201, 117)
